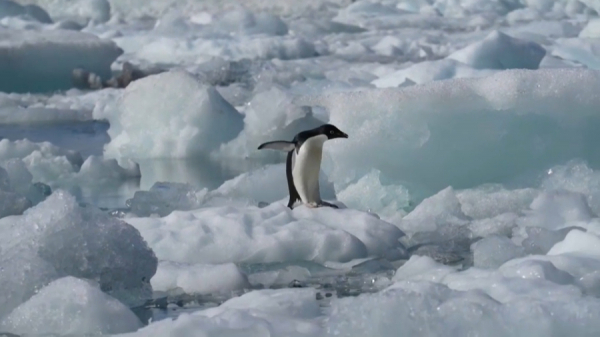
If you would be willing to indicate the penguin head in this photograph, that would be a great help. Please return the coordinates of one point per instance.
(331, 131)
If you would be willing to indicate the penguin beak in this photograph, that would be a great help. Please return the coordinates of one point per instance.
(344, 135)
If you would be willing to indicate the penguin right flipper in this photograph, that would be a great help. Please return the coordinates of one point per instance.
(294, 196)
(280, 145)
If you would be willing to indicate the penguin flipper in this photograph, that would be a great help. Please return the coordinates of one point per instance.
(294, 196)
(280, 145)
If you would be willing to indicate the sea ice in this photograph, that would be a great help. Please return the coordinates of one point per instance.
(70, 306)
(197, 119)
(26, 54)
(58, 238)
(203, 279)
(271, 234)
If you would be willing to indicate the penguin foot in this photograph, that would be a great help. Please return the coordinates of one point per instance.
(325, 203)
(312, 205)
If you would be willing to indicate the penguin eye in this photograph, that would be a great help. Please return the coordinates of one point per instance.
(331, 132)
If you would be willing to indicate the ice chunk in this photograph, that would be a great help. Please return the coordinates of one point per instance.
(579, 51)
(285, 312)
(199, 278)
(369, 194)
(26, 54)
(100, 170)
(98, 11)
(70, 306)
(439, 210)
(540, 240)
(500, 51)
(271, 115)
(423, 268)
(187, 119)
(11, 202)
(535, 269)
(163, 198)
(591, 30)
(578, 242)
(428, 134)
(242, 21)
(428, 71)
(557, 209)
(270, 234)
(58, 238)
(281, 277)
(502, 224)
(9, 8)
(575, 176)
(492, 251)
(493, 200)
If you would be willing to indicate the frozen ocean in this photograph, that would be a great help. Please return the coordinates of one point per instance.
(134, 201)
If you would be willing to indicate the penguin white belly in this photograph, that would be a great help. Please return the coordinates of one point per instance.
(307, 166)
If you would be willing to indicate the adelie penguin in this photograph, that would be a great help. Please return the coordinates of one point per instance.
(303, 163)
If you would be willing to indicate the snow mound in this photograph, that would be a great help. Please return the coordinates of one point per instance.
(270, 234)
(170, 115)
(285, 312)
(203, 279)
(70, 306)
(428, 134)
(500, 51)
(58, 238)
(26, 55)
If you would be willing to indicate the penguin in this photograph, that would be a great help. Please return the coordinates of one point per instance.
(303, 163)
